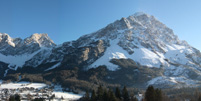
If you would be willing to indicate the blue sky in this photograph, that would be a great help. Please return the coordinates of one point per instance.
(66, 20)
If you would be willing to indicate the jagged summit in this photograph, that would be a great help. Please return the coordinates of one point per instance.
(139, 25)
(16, 51)
(141, 14)
(6, 39)
(42, 39)
(37, 36)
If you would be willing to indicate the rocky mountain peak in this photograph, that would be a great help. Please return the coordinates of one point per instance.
(137, 27)
(18, 46)
(37, 36)
(42, 39)
(6, 39)
(141, 14)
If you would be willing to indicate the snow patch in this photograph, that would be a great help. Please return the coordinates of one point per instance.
(54, 66)
(67, 95)
(172, 81)
(174, 71)
(177, 54)
(58, 91)
(5, 73)
(147, 58)
(17, 60)
(141, 55)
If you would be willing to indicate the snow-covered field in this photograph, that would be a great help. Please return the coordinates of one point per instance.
(25, 88)
(22, 85)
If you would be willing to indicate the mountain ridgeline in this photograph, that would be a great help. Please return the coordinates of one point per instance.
(136, 51)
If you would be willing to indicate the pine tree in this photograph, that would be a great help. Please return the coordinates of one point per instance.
(100, 93)
(93, 96)
(112, 97)
(125, 94)
(158, 95)
(199, 98)
(39, 99)
(150, 94)
(12, 98)
(17, 97)
(118, 93)
(133, 98)
(105, 96)
(86, 96)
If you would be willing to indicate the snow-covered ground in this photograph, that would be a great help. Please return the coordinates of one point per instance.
(66, 95)
(24, 88)
(173, 81)
(22, 85)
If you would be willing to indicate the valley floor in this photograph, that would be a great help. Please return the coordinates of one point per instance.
(28, 91)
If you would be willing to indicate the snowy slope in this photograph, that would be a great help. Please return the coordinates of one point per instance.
(142, 56)
(18, 60)
(134, 42)
(150, 43)
(16, 52)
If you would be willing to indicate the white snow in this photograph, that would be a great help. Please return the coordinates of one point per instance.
(177, 54)
(54, 66)
(140, 13)
(10, 42)
(174, 71)
(17, 60)
(139, 97)
(9, 39)
(6, 71)
(141, 55)
(112, 52)
(172, 81)
(22, 85)
(67, 95)
(147, 58)
(118, 55)
(154, 80)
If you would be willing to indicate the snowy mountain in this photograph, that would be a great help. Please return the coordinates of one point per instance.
(139, 40)
(16, 51)
(150, 43)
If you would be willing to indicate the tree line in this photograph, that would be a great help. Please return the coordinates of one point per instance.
(103, 94)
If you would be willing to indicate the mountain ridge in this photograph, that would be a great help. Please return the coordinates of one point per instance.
(140, 40)
(35, 38)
